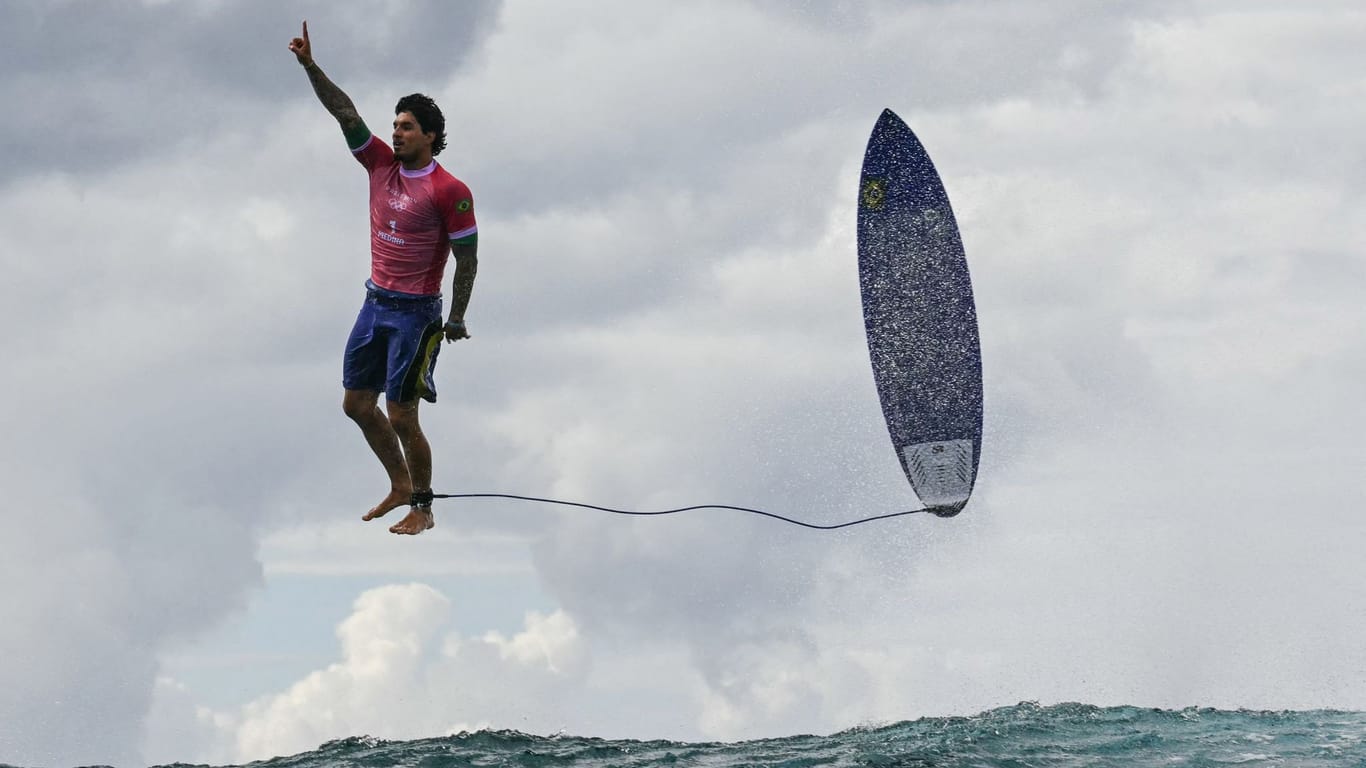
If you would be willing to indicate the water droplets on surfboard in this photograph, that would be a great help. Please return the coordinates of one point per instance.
(920, 317)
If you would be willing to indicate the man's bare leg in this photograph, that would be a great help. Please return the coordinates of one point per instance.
(403, 417)
(363, 408)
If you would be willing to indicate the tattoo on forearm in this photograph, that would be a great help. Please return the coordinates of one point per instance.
(463, 284)
(332, 97)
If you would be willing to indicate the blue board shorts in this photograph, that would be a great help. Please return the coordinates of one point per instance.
(394, 344)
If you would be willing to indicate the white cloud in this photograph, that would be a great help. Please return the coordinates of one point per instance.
(550, 641)
(384, 644)
(403, 674)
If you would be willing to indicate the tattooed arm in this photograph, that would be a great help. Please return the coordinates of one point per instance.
(333, 98)
(466, 253)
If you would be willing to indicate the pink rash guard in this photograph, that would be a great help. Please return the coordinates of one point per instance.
(414, 217)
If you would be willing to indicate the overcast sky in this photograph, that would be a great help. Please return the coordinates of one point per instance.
(1164, 209)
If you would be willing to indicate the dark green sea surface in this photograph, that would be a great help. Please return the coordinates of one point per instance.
(1022, 735)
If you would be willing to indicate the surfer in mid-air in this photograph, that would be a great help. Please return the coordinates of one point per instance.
(418, 213)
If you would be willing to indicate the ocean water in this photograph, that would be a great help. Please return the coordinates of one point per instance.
(1019, 736)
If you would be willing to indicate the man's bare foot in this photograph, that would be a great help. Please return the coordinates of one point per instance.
(394, 500)
(418, 520)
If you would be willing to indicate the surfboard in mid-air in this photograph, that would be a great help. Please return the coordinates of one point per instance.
(920, 317)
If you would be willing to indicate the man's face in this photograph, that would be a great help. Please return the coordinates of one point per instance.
(410, 143)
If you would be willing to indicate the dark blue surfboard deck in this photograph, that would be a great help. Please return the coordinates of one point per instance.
(920, 317)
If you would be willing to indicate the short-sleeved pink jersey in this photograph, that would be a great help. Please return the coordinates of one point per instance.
(414, 216)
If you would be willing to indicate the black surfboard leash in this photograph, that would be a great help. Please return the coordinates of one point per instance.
(581, 505)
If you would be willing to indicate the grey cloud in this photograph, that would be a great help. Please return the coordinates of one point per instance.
(785, 67)
(1096, 409)
(90, 87)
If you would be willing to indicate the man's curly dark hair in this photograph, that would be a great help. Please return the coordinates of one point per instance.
(428, 115)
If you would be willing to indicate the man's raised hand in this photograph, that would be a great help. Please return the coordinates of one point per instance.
(301, 48)
(333, 98)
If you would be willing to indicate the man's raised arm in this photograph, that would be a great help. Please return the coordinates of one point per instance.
(332, 97)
